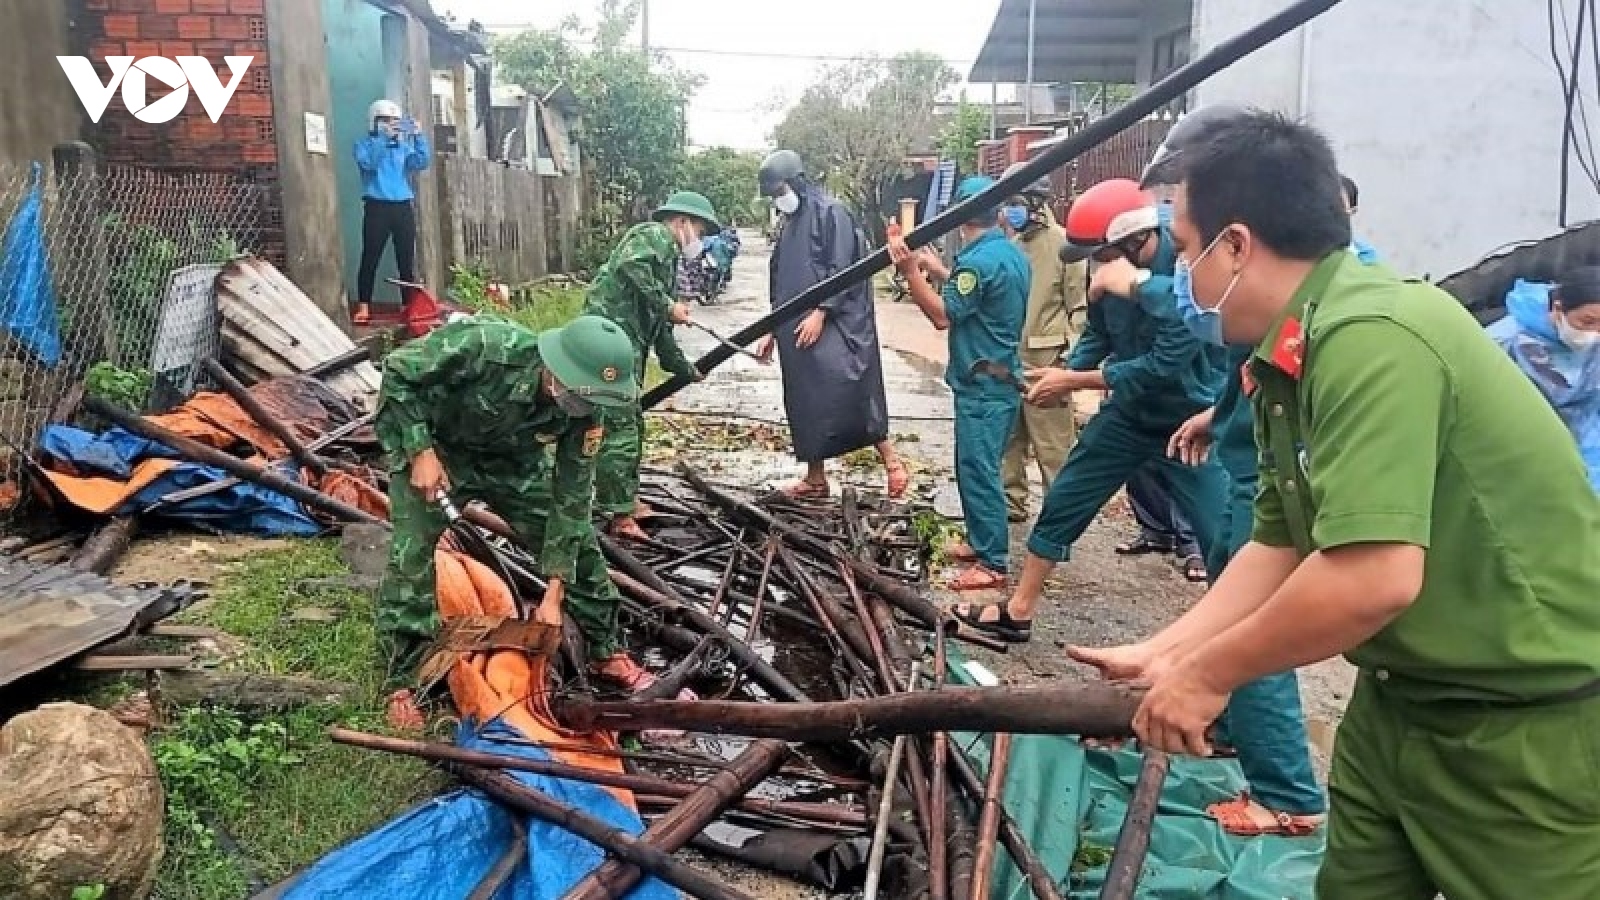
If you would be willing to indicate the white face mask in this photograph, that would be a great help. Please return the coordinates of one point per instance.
(787, 202)
(1575, 337)
(692, 245)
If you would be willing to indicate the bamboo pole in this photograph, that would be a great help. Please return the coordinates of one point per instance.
(1133, 841)
(989, 821)
(1039, 878)
(280, 429)
(1092, 709)
(509, 792)
(674, 830)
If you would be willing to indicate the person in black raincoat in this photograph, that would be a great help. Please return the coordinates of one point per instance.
(832, 373)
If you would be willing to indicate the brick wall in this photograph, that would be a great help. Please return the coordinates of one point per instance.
(242, 143)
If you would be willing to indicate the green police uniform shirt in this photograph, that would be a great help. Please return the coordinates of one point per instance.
(471, 391)
(1384, 414)
(986, 301)
(1154, 365)
(634, 290)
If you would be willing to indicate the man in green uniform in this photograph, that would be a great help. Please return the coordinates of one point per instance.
(487, 410)
(1057, 307)
(983, 304)
(635, 290)
(1400, 523)
(1159, 375)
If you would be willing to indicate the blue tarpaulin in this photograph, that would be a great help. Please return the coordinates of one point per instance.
(27, 294)
(243, 508)
(442, 850)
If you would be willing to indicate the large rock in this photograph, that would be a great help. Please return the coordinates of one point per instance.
(80, 804)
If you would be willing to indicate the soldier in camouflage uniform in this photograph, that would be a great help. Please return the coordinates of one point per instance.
(635, 290)
(514, 418)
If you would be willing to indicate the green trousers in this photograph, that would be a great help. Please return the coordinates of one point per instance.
(1464, 801)
(408, 616)
(616, 473)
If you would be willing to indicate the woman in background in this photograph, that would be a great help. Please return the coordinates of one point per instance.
(392, 151)
(1553, 334)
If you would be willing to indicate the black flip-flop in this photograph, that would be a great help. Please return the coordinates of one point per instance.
(1005, 628)
(1141, 546)
(1194, 569)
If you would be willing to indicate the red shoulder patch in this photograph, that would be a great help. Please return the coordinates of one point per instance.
(1288, 354)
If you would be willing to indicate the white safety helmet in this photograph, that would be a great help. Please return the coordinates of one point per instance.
(382, 109)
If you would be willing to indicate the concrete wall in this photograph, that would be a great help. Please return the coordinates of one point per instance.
(1157, 19)
(38, 108)
(1449, 118)
(314, 244)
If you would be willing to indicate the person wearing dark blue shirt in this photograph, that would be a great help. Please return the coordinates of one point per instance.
(393, 150)
(982, 306)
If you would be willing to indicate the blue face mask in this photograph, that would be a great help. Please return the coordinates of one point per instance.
(1016, 217)
(1205, 324)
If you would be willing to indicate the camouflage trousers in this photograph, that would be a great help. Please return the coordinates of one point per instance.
(616, 472)
(408, 615)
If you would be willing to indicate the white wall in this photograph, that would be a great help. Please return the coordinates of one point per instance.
(1448, 113)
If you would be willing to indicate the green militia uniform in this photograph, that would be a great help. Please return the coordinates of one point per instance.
(471, 391)
(634, 290)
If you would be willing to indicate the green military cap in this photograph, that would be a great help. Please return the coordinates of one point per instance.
(593, 359)
(688, 203)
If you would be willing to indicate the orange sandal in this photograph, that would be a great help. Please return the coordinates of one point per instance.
(362, 315)
(1235, 819)
(977, 577)
(806, 489)
(899, 480)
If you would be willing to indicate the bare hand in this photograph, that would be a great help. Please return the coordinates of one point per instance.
(764, 348)
(1191, 443)
(899, 254)
(549, 612)
(427, 475)
(1177, 714)
(809, 331)
(1129, 663)
(678, 314)
(1115, 277)
(1048, 386)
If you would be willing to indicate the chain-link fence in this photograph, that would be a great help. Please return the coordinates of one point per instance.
(106, 276)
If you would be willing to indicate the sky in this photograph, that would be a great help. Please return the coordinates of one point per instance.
(744, 96)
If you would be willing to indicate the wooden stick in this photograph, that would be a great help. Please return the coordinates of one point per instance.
(132, 663)
(505, 866)
(938, 859)
(105, 546)
(648, 784)
(1039, 878)
(989, 821)
(1133, 841)
(195, 451)
(508, 791)
(1092, 709)
(674, 830)
(264, 417)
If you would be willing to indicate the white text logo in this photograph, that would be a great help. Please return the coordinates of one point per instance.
(133, 76)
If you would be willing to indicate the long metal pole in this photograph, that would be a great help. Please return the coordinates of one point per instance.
(1027, 97)
(994, 110)
(1098, 132)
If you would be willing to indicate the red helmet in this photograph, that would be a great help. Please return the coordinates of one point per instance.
(1107, 213)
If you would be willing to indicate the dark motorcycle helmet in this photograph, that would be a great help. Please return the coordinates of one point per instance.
(778, 169)
(1166, 167)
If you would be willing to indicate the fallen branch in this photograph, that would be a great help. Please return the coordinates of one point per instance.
(674, 830)
(509, 792)
(1094, 709)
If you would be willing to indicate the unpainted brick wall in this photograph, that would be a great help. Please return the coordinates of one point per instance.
(242, 143)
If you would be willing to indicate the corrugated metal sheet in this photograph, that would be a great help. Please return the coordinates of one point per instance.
(270, 328)
(49, 614)
(1482, 288)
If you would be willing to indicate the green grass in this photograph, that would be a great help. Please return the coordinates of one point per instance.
(278, 787)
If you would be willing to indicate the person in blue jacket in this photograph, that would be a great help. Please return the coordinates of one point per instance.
(1158, 373)
(393, 150)
(983, 306)
(1352, 199)
(1552, 332)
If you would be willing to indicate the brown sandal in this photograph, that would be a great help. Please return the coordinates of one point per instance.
(806, 489)
(1234, 817)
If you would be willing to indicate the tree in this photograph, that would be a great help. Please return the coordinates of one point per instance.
(728, 179)
(632, 126)
(959, 140)
(855, 124)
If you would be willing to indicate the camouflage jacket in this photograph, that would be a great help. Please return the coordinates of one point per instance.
(635, 290)
(471, 391)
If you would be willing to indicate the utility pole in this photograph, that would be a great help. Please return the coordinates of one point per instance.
(644, 27)
(1027, 98)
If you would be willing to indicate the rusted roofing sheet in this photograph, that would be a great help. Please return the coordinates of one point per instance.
(51, 613)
